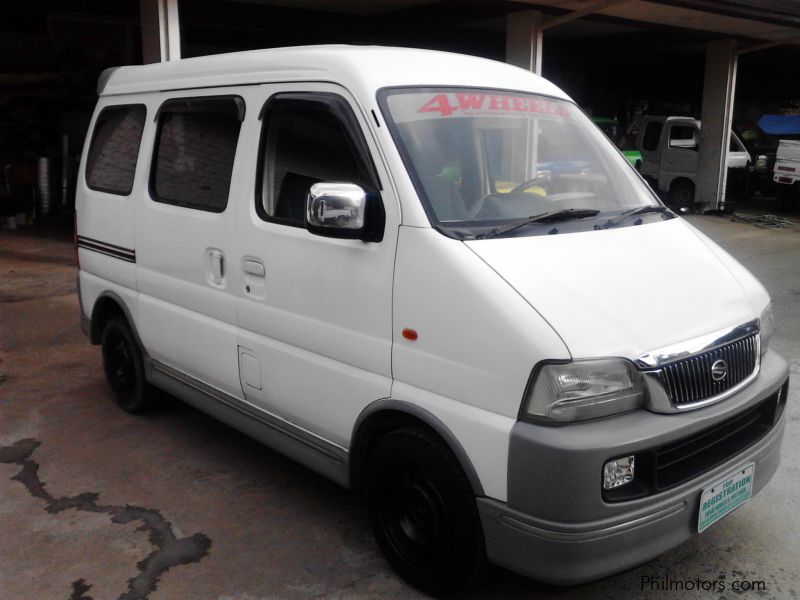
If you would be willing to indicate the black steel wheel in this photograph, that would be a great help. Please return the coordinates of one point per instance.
(124, 367)
(423, 512)
(681, 193)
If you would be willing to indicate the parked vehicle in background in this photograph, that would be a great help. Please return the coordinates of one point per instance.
(787, 172)
(420, 274)
(669, 147)
(616, 134)
(762, 148)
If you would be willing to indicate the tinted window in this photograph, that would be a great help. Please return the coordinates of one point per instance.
(194, 153)
(651, 136)
(304, 143)
(111, 162)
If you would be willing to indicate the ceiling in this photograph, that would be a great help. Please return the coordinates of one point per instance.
(761, 20)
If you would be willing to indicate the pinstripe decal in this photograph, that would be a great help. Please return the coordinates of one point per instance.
(107, 249)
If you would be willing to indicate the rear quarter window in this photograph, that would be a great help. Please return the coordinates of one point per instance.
(113, 152)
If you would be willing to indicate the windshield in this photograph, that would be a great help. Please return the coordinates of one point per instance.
(484, 158)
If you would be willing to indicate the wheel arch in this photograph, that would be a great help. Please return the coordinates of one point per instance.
(384, 416)
(680, 180)
(107, 305)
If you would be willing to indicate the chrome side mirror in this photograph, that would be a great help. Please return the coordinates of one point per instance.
(336, 209)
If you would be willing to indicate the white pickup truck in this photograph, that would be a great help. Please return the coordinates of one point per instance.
(669, 147)
(787, 170)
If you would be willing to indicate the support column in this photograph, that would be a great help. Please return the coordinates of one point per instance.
(161, 34)
(719, 88)
(524, 40)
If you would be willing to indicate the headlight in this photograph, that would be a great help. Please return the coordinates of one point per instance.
(766, 327)
(761, 163)
(582, 390)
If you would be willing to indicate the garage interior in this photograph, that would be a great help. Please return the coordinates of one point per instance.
(616, 58)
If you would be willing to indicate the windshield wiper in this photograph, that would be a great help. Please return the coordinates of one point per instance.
(545, 217)
(635, 211)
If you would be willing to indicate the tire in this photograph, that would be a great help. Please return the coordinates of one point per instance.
(124, 367)
(681, 193)
(423, 513)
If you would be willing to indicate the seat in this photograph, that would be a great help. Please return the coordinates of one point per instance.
(442, 192)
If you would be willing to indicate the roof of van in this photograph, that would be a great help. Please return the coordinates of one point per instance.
(362, 69)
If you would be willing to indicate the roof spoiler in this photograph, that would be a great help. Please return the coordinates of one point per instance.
(102, 81)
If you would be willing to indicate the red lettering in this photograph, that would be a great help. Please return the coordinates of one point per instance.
(520, 103)
(499, 103)
(440, 104)
(475, 102)
(471, 101)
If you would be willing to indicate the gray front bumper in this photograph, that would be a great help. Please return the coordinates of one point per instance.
(557, 528)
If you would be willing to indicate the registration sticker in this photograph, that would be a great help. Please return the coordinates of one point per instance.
(725, 496)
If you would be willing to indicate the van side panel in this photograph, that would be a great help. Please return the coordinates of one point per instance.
(315, 324)
(105, 220)
(186, 278)
(477, 343)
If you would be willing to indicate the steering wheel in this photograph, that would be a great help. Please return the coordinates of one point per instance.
(530, 183)
(476, 208)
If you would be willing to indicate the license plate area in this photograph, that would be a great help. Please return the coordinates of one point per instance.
(725, 496)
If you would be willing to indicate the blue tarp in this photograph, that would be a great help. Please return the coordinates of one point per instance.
(780, 124)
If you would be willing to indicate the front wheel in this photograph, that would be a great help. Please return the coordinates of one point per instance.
(124, 367)
(423, 513)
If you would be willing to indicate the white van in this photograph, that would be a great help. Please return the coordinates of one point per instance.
(429, 277)
(669, 147)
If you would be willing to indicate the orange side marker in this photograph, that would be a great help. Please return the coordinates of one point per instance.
(410, 334)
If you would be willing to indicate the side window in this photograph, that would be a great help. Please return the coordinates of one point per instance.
(194, 152)
(651, 136)
(683, 136)
(306, 139)
(111, 162)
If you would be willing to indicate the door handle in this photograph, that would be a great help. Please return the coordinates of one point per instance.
(254, 267)
(217, 265)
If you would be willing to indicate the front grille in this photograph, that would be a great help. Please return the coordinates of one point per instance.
(667, 466)
(691, 380)
(687, 458)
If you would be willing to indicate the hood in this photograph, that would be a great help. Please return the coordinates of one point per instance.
(630, 290)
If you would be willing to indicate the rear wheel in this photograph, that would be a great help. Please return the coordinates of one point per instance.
(124, 367)
(681, 193)
(423, 513)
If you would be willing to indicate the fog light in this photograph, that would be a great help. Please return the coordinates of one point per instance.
(618, 472)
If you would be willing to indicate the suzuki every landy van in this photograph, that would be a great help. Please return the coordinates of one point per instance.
(429, 277)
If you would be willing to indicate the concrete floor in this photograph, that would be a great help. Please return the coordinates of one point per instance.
(95, 503)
